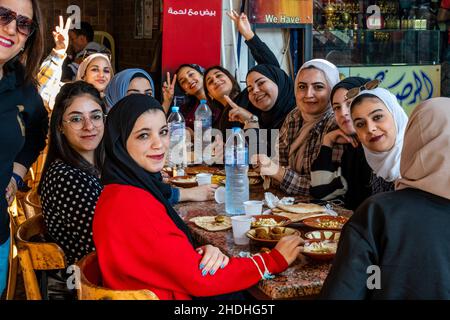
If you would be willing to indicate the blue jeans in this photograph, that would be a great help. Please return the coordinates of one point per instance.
(4, 254)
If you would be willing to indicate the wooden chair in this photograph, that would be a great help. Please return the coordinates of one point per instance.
(16, 217)
(32, 204)
(107, 40)
(36, 255)
(90, 288)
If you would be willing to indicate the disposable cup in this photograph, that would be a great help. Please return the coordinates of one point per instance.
(219, 195)
(240, 225)
(253, 207)
(204, 178)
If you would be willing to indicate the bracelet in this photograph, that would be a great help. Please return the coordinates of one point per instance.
(267, 275)
(19, 180)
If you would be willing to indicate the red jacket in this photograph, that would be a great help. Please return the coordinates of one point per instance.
(139, 247)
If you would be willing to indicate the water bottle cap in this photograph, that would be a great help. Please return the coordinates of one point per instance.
(236, 129)
(175, 109)
(203, 101)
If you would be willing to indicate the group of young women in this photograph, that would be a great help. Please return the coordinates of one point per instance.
(102, 186)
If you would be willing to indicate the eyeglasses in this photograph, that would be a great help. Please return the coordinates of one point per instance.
(353, 92)
(77, 122)
(24, 25)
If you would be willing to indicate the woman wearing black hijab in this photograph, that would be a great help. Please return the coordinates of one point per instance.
(351, 179)
(140, 240)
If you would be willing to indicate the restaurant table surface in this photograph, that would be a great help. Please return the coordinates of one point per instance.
(303, 279)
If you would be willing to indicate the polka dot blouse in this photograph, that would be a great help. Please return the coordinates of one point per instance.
(68, 197)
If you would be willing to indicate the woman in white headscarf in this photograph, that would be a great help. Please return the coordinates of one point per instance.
(97, 70)
(403, 233)
(302, 132)
(380, 124)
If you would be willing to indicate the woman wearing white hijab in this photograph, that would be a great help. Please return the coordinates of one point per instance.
(97, 70)
(380, 124)
(403, 233)
(302, 132)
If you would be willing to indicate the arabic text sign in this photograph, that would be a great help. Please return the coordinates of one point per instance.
(281, 11)
(191, 33)
(410, 84)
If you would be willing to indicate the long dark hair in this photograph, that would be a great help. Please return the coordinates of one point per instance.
(235, 90)
(58, 146)
(29, 59)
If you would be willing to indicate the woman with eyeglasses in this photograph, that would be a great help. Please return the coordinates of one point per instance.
(349, 180)
(380, 124)
(397, 246)
(23, 118)
(141, 241)
(70, 183)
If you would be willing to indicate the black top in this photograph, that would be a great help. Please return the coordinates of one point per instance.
(69, 196)
(349, 180)
(405, 234)
(23, 129)
(263, 55)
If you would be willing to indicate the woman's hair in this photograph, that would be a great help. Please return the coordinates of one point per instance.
(235, 90)
(58, 146)
(30, 58)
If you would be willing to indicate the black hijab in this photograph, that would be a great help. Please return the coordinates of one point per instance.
(119, 167)
(348, 83)
(274, 118)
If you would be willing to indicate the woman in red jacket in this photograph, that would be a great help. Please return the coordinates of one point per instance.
(141, 241)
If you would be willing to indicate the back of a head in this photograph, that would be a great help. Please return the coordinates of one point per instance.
(85, 30)
(426, 147)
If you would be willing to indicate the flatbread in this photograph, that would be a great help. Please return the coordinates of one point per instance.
(297, 217)
(209, 223)
(302, 208)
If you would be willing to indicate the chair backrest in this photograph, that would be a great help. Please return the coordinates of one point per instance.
(36, 255)
(32, 204)
(91, 281)
(107, 40)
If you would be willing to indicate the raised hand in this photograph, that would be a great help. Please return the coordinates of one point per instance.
(242, 24)
(237, 113)
(168, 90)
(61, 35)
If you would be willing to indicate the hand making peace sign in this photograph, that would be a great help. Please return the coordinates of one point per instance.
(61, 35)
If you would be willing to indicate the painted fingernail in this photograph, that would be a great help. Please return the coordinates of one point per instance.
(201, 266)
(222, 266)
(204, 272)
(212, 272)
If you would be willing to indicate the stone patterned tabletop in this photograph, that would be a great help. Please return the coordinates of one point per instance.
(303, 279)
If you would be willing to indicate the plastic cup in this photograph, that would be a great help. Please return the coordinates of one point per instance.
(240, 225)
(219, 195)
(204, 178)
(253, 207)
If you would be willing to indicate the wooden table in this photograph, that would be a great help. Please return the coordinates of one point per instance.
(302, 280)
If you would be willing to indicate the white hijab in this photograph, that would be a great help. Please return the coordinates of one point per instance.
(387, 164)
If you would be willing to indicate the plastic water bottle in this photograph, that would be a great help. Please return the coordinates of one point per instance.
(202, 133)
(236, 167)
(177, 146)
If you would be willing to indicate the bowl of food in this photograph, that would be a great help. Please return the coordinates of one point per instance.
(320, 249)
(323, 235)
(326, 222)
(184, 181)
(269, 236)
(269, 220)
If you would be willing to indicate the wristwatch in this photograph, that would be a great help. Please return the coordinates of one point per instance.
(252, 119)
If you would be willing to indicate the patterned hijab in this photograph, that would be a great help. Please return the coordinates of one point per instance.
(387, 164)
(425, 161)
(120, 167)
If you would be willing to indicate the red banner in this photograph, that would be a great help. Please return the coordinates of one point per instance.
(191, 33)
